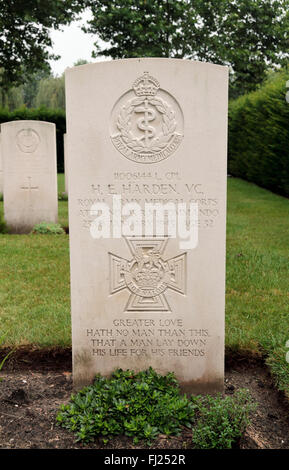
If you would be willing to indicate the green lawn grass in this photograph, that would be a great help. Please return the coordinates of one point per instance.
(34, 280)
(60, 183)
(257, 288)
(62, 205)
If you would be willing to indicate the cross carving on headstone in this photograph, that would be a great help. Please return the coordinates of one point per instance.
(30, 188)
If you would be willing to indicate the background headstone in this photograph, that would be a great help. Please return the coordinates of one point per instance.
(30, 175)
(1, 169)
(129, 308)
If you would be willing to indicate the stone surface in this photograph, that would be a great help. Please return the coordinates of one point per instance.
(1, 169)
(149, 130)
(65, 164)
(30, 174)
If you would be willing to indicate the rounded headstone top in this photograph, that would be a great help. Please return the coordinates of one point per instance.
(27, 122)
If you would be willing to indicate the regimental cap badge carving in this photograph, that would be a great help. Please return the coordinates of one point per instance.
(146, 122)
(27, 140)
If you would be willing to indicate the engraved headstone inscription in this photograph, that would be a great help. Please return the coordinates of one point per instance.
(147, 211)
(30, 175)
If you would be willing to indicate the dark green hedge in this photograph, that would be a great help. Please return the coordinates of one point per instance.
(42, 114)
(259, 136)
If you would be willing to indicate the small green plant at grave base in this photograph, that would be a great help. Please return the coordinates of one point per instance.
(221, 421)
(146, 404)
(2, 362)
(48, 228)
(3, 226)
(140, 405)
(62, 197)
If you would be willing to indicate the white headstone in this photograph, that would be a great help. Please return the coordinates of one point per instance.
(1, 169)
(30, 174)
(147, 131)
(65, 164)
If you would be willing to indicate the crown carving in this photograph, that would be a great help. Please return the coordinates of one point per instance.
(146, 85)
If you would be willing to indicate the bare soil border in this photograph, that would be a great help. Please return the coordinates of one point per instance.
(36, 382)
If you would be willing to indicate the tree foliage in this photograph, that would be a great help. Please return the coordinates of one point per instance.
(51, 93)
(25, 39)
(40, 89)
(247, 35)
(32, 83)
(12, 98)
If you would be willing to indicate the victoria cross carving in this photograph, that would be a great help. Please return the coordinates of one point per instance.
(147, 122)
(148, 274)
